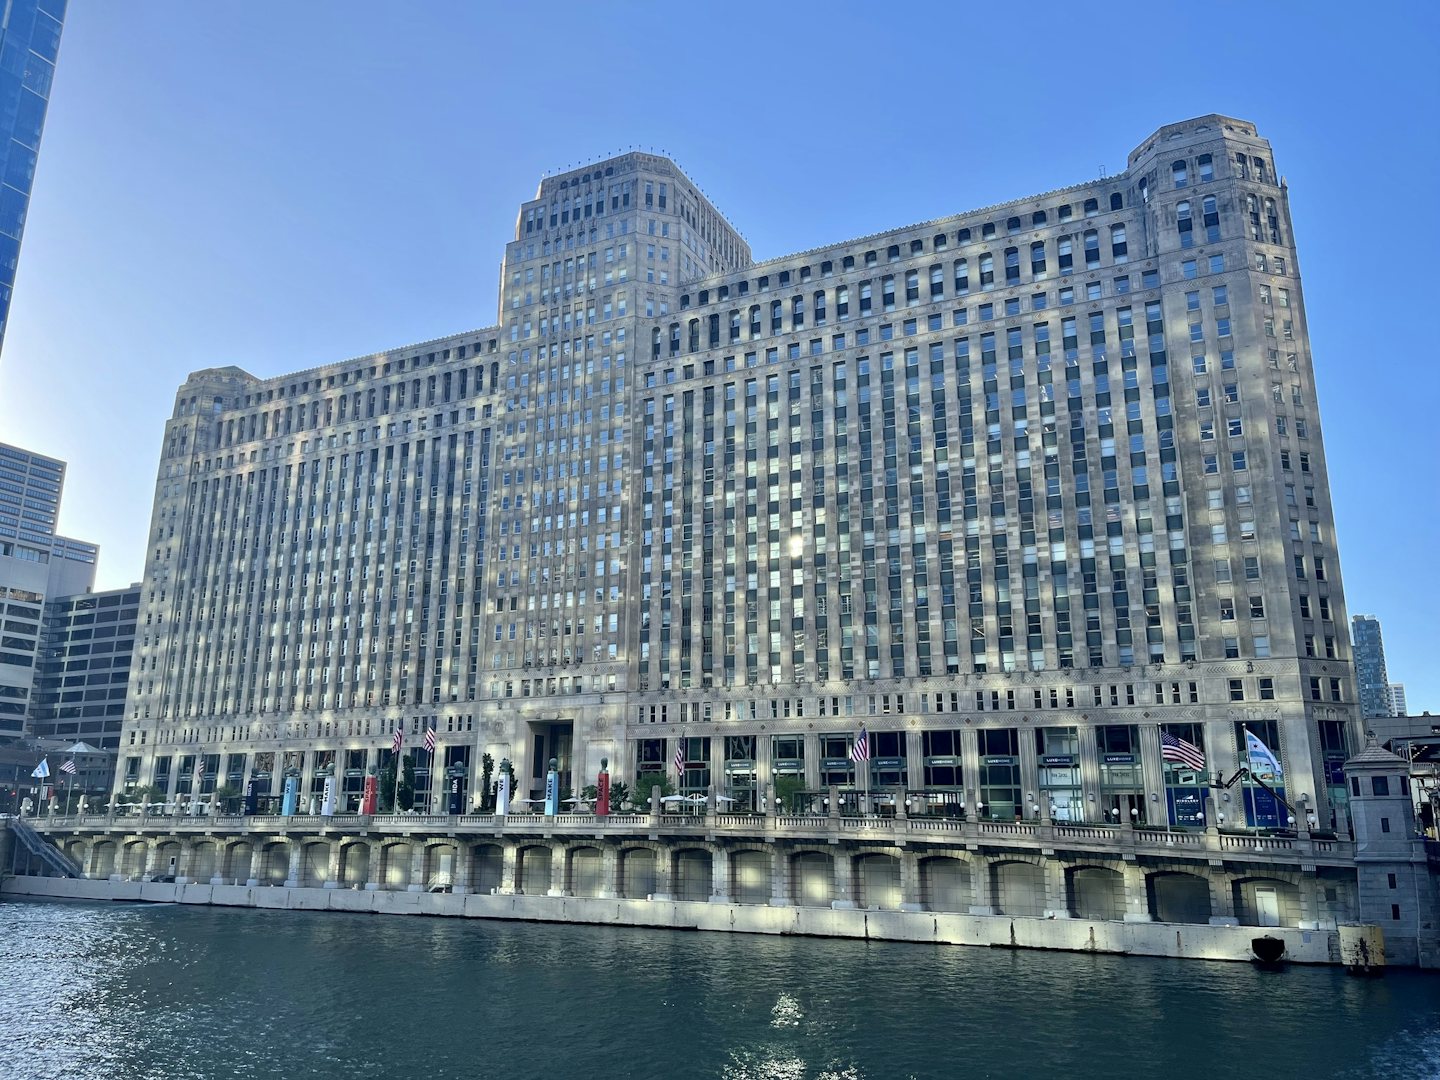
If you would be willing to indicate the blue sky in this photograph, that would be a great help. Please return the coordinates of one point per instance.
(280, 185)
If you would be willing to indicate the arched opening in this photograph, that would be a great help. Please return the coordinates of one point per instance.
(355, 864)
(637, 873)
(102, 859)
(693, 874)
(532, 871)
(204, 862)
(1178, 897)
(75, 849)
(314, 865)
(239, 858)
(586, 871)
(877, 882)
(945, 884)
(396, 861)
(487, 868)
(167, 859)
(136, 852)
(1267, 902)
(440, 868)
(1018, 888)
(812, 879)
(750, 877)
(275, 863)
(1096, 892)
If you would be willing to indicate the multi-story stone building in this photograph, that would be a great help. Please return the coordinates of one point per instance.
(675, 503)
(83, 667)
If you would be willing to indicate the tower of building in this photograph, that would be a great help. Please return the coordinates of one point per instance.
(30, 43)
(678, 505)
(1372, 680)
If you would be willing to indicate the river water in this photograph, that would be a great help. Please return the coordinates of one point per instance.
(125, 991)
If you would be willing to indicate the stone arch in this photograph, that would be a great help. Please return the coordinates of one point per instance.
(946, 884)
(487, 868)
(1253, 907)
(136, 855)
(166, 862)
(1095, 892)
(1017, 888)
(586, 871)
(239, 858)
(204, 862)
(638, 875)
(533, 869)
(440, 861)
(314, 864)
(274, 863)
(750, 875)
(694, 874)
(396, 863)
(812, 878)
(103, 854)
(355, 864)
(1178, 897)
(877, 881)
(76, 849)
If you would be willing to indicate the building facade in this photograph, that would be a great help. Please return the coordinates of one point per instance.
(705, 517)
(1372, 679)
(29, 44)
(83, 668)
(35, 565)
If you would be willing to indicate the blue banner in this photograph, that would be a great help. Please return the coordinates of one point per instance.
(287, 806)
(1187, 805)
(1263, 810)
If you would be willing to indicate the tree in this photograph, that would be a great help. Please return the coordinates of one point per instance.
(487, 794)
(645, 781)
(786, 788)
(406, 797)
(225, 797)
(619, 793)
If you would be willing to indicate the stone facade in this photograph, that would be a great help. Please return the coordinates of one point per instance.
(678, 504)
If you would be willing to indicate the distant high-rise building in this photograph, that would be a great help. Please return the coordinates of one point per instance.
(35, 565)
(1398, 704)
(29, 44)
(84, 665)
(708, 517)
(1372, 683)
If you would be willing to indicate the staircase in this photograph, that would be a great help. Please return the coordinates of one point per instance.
(58, 864)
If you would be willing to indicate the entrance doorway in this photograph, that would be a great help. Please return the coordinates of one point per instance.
(550, 739)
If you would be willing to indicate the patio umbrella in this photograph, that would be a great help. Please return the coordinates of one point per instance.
(723, 798)
(674, 799)
(82, 748)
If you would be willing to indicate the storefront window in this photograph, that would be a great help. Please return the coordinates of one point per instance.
(887, 759)
(836, 768)
(942, 768)
(695, 780)
(999, 774)
(1335, 748)
(740, 773)
(1122, 792)
(1184, 760)
(1264, 787)
(1057, 751)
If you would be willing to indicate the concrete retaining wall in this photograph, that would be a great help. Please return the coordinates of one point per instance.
(1183, 940)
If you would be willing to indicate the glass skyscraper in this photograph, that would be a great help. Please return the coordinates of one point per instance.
(29, 43)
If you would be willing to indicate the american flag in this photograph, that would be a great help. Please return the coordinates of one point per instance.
(399, 739)
(200, 766)
(860, 751)
(680, 756)
(430, 738)
(68, 767)
(1180, 750)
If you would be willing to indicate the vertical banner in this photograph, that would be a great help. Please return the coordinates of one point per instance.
(602, 789)
(457, 795)
(552, 790)
(370, 796)
(502, 793)
(252, 797)
(327, 803)
(287, 805)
